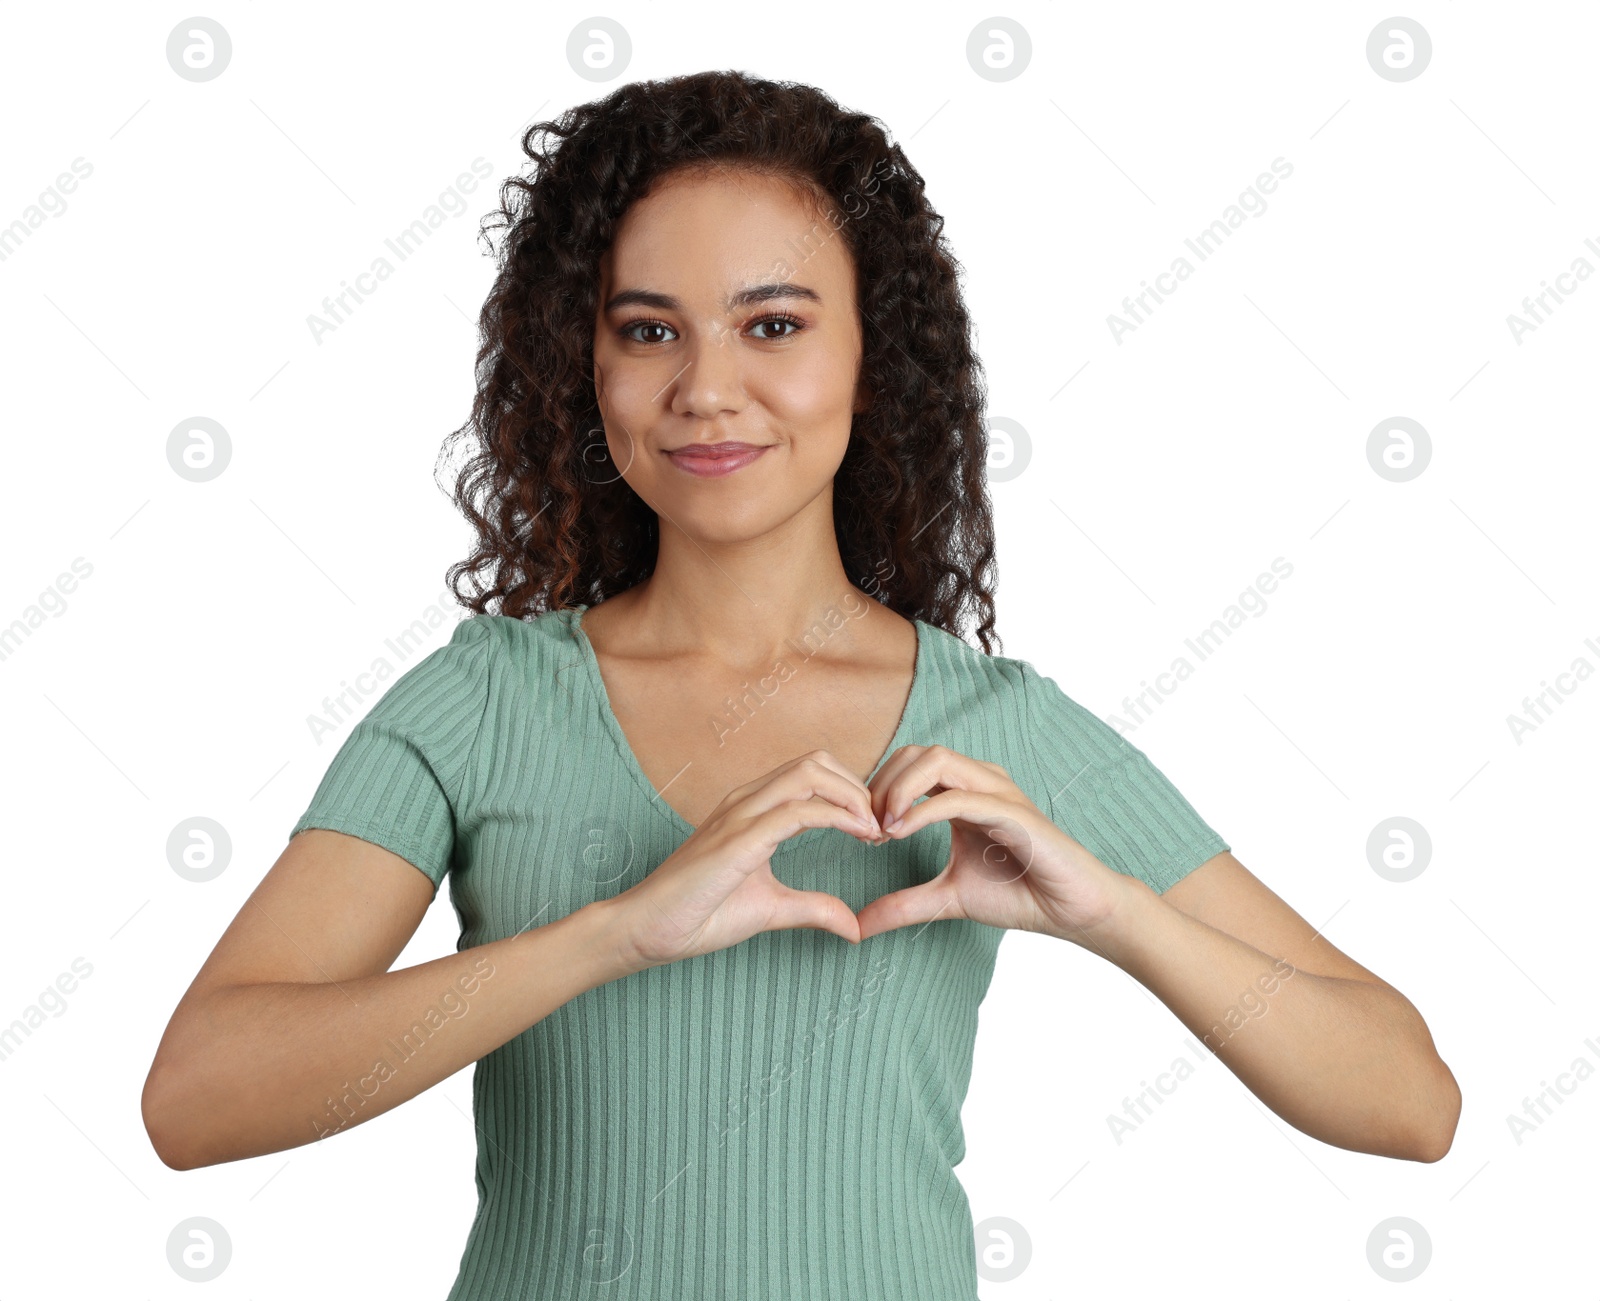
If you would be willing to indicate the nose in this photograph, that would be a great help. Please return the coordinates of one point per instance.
(711, 382)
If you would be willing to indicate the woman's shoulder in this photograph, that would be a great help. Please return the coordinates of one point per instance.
(485, 654)
(1027, 704)
(961, 666)
(528, 629)
(523, 640)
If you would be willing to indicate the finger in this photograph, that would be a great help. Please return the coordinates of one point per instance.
(981, 808)
(815, 909)
(818, 775)
(893, 766)
(906, 767)
(933, 900)
(933, 769)
(860, 797)
(778, 823)
(822, 756)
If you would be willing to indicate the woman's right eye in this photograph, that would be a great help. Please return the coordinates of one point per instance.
(628, 330)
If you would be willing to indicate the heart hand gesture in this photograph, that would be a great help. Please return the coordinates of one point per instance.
(1009, 865)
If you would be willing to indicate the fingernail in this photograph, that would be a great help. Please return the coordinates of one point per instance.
(889, 821)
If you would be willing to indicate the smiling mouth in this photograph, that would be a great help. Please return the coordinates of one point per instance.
(708, 460)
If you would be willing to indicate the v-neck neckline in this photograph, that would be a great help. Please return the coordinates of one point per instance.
(574, 620)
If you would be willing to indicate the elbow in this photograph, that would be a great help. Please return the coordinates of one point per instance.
(161, 1127)
(1436, 1148)
(1443, 1113)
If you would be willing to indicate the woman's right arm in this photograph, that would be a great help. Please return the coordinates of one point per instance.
(279, 1039)
(276, 1041)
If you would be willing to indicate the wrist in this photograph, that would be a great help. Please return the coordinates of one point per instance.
(607, 939)
(1126, 918)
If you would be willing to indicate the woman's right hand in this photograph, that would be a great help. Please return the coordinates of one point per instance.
(717, 888)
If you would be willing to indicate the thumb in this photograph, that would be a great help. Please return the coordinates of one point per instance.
(813, 908)
(930, 901)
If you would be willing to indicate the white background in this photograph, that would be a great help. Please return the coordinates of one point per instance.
(1167, 471)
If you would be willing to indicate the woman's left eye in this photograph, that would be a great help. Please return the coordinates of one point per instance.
(781, 319)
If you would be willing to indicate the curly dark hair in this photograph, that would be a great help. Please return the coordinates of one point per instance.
(556, 523)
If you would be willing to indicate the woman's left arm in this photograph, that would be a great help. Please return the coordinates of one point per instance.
(1336, 1051)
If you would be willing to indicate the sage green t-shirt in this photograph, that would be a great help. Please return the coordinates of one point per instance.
(773, 1121)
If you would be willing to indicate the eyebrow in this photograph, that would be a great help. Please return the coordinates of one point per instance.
(753, 294)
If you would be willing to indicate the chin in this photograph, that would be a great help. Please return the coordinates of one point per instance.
(726, 522)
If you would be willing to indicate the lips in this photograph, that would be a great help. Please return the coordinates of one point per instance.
(712, 460)
(714, 451)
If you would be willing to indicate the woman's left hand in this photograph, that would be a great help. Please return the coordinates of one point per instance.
(1009, 865)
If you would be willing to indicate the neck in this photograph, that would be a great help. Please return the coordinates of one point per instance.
(743, 602)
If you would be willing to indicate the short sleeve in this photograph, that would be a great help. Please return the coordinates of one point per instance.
(1106, 794)
(398, 777)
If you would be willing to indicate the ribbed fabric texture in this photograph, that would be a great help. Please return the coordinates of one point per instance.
(774, 1121)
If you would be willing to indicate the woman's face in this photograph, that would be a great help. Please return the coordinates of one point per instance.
(727, 315)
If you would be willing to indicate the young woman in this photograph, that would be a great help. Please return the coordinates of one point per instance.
(733, 842)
